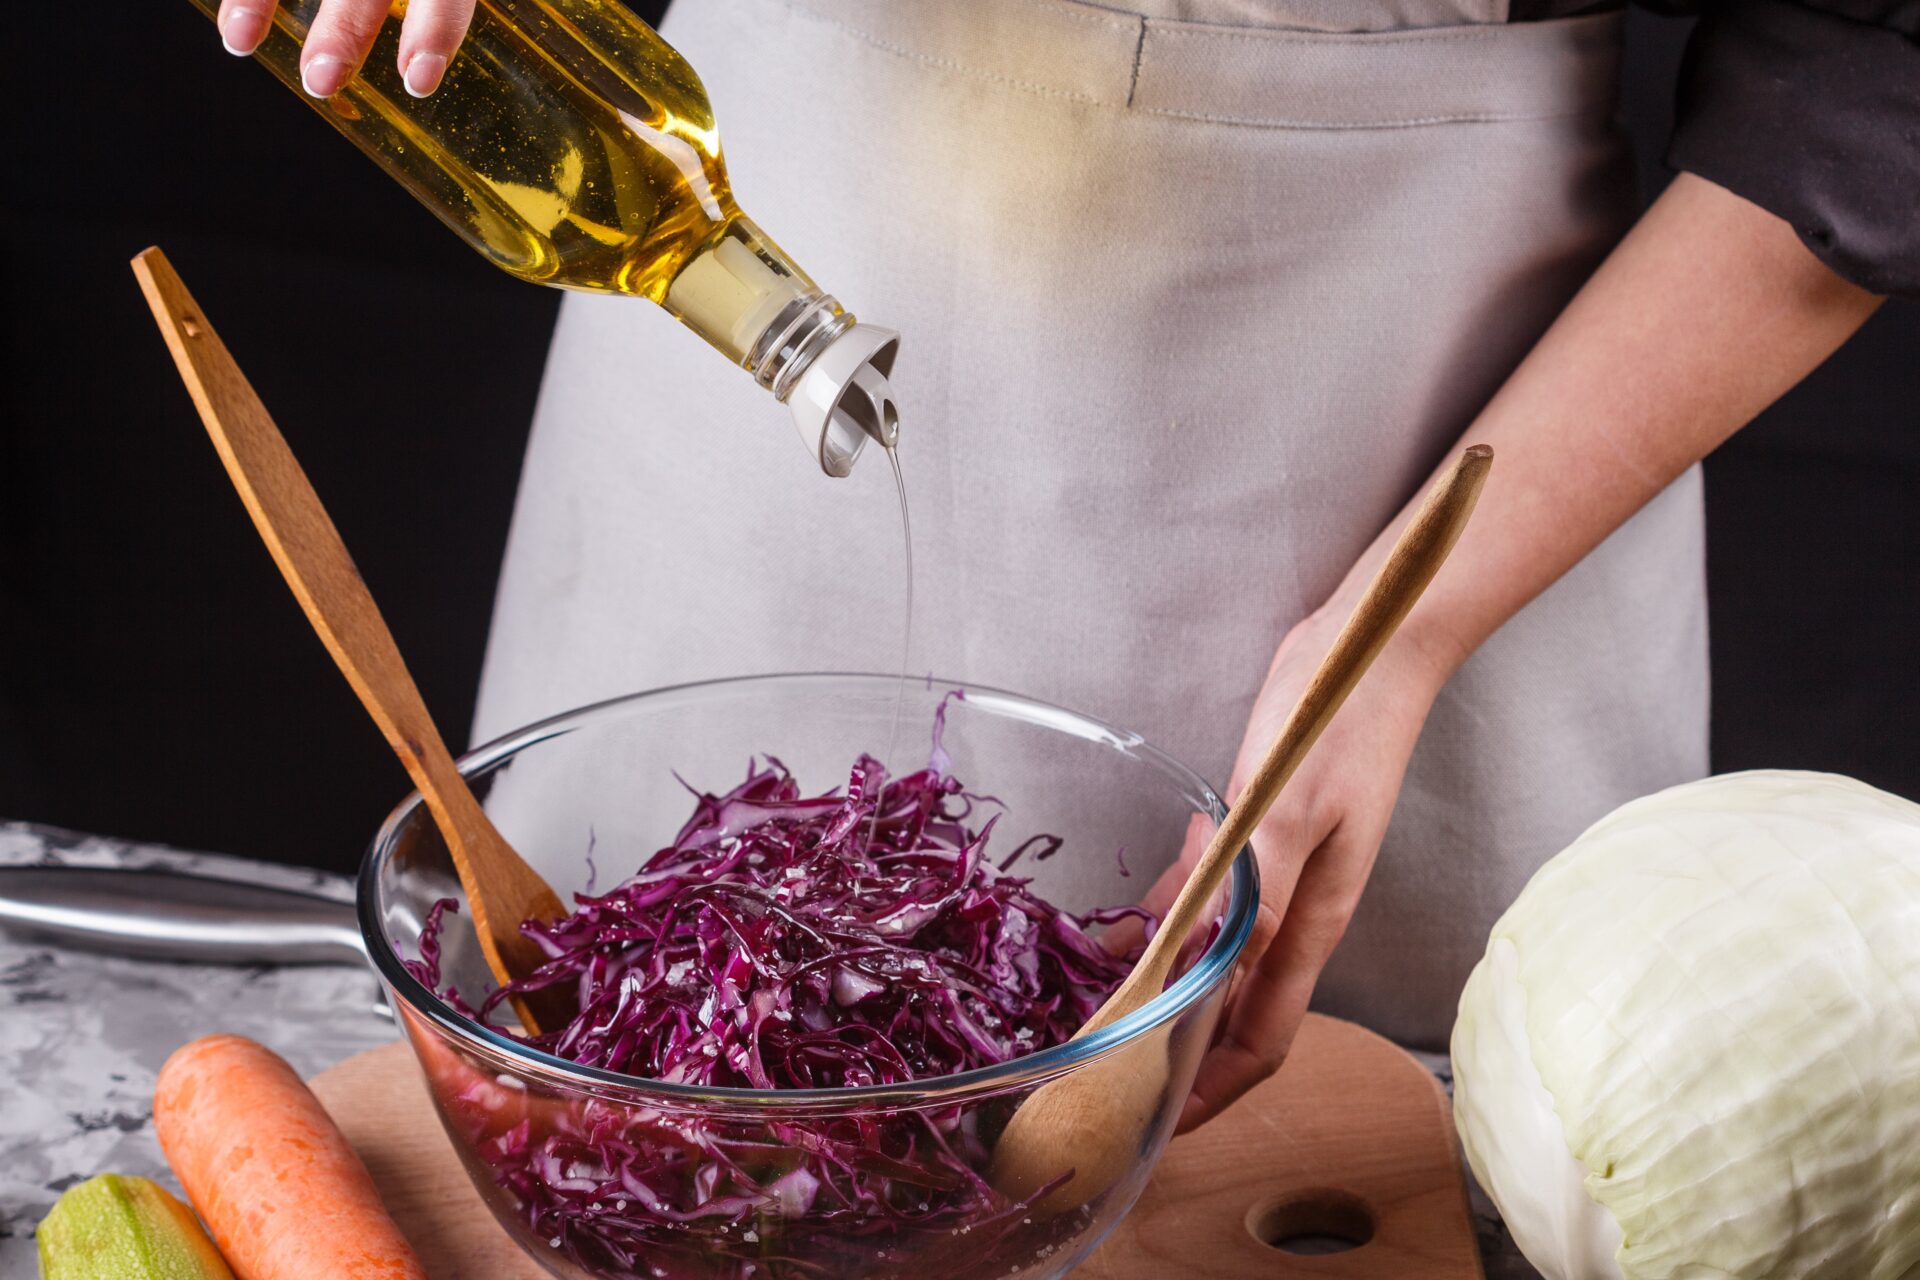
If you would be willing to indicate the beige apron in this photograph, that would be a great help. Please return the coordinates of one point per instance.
(1176, 298)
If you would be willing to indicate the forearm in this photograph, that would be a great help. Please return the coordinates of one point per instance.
(1707, 312)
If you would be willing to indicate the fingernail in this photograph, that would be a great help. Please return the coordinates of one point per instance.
(423, 73)
(242, 30)
(323, 75)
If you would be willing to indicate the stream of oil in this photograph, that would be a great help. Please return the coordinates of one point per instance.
(906, 620)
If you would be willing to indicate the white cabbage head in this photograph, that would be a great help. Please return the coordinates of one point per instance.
(1692, 1049)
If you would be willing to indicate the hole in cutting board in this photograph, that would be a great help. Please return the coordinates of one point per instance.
(1313, 1222)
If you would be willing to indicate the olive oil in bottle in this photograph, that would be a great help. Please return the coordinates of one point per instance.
(572, 146)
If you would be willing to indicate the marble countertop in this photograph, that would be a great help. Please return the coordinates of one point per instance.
(84, 1035)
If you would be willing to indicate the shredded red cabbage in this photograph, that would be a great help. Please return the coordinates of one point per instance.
(788, 942)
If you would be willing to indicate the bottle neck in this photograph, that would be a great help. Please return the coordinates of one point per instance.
(787, 347)
(755, 304)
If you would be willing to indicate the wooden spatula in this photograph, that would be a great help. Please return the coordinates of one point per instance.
(502, 890)
(1091, 1120)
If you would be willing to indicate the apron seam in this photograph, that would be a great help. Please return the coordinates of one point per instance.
(1139, 56)
(1075, 11)
(1148, 29)
(1293, 38)
(1409, 122)
(1253, 35)
(947, 64)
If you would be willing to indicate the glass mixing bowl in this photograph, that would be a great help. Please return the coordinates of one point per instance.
(711, 1191)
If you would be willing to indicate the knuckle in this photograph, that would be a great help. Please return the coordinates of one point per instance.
(440, 25)
(1266, 927)
(1284, 831)
(1257, 1061)
(353, 22)
(1324, 922)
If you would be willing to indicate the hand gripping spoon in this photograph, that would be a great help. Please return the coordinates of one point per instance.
(502, 890)
(1091, 1122)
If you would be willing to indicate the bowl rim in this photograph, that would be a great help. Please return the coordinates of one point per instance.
(1214, 966)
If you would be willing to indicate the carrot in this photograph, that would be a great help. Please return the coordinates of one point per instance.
(284, 1195)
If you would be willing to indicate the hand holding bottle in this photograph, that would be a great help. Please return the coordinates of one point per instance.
(573, 147)
(343, 32)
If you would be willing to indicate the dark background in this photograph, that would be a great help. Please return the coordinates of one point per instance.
(157, 680)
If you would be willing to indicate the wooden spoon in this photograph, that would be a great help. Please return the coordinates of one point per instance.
(1095, 1120)
(502, 890)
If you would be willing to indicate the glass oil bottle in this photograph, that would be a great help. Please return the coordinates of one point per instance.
(572, 146)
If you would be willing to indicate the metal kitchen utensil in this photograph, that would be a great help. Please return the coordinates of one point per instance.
(169, 915)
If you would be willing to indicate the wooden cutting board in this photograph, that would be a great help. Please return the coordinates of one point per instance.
(1352, 1139)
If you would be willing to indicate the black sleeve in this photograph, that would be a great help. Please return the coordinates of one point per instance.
(1812, 111)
